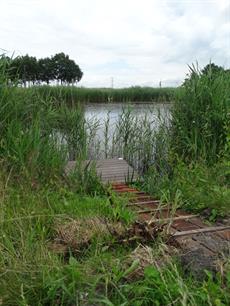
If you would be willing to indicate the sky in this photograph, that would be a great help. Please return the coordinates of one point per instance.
(121, 42)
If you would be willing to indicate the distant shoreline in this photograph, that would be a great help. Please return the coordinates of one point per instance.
(71, 94)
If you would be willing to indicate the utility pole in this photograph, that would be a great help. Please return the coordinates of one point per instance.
(112, 82)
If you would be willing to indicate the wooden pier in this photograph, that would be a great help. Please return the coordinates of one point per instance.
(109, 170)
(189, 231)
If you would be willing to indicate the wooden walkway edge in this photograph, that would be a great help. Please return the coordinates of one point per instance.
(190, 231)
(108, 170)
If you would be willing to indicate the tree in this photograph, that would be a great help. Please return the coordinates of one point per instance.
(65, 69)
(212, 69)
(27, 69)
(45, 70)
(24, 69)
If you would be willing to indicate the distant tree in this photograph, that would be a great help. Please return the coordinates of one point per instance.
(45, 70)
(24, 69)
(66, 70)
(73, 72)
(15, 70)
(28, 70)
(212, 69)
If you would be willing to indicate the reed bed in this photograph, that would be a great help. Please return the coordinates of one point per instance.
(197, 171)
(200, 116)
(73, 95)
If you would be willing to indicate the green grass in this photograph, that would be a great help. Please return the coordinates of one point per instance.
(196, 187)
(36, 196)
(73, 95)
(33, 274)
(200, 117)
(28, 219)
(194, 167)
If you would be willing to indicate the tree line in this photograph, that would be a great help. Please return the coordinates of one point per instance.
(29, 70)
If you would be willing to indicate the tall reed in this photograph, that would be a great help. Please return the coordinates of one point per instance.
(73, 95)
(200, 115)
(135, 138)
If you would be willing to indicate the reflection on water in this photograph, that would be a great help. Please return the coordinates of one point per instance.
(101, 112)
(127, 131)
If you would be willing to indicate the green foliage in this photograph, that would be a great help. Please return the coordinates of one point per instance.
(200, 114)
(27, 69)
(194, 169)
(65, 69)
(73, 95)
(195, 187)
(168, 287)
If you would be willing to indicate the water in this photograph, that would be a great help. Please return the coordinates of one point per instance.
(106, 137)
(101, 112)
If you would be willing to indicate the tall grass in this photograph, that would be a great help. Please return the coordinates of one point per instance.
(73, 95)
(197, 159)
(135, 138)
(37, 135)
(200, 116)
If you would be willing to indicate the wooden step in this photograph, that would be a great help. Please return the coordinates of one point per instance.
(142, 203)
(163, 220)
(201, 230)
(158, 209)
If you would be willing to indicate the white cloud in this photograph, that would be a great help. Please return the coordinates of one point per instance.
(136, 42)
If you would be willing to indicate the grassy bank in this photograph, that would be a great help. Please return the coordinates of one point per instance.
(72, 95)
(34, 271)
(58, 244)
(196, 169)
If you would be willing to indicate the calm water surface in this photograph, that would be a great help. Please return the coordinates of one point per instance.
(101, 112)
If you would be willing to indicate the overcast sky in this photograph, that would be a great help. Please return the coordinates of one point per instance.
(135, 42)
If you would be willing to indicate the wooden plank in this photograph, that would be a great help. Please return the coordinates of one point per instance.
(154, 220)
(188, 244)
(184, 225)
(116, 166)
(109, 170)
(133, 193)
(116, 172)
(201, 230)
(158, 209)
(103, 163)
(144, 202)
(142, 198)
(123, 175)
(212, 242)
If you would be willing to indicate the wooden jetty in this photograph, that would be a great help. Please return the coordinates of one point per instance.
(109, 170)
(190, 231)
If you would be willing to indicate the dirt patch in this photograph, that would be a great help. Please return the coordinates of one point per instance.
(196, 262)
(77, 235)
(201, 253)
(146, 256)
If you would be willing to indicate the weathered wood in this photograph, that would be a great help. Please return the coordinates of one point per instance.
(199, 244)
(143, 203)
(201, 230)
(152, 210)
(109, 170)
(162, 220)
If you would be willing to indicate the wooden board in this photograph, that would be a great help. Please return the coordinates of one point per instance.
(109, 170)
